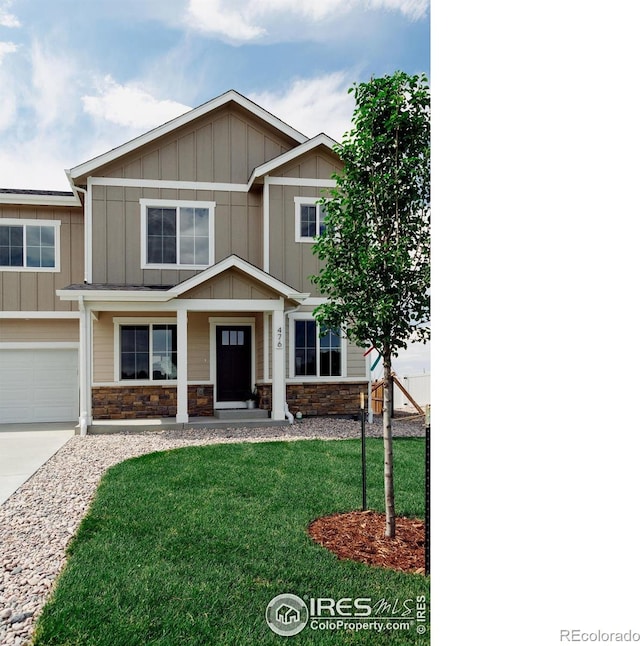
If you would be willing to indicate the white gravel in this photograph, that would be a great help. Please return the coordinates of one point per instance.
(39, 519)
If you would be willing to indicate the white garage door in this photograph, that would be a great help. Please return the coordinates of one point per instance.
(38, 385)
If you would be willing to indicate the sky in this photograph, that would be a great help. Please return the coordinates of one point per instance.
(78, 77)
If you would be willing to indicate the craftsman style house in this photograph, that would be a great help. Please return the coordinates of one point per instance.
(172, 281)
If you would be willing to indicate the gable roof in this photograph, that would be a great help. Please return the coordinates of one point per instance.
(243, 266)
(319, 140)
(231, 96)
(165, 293)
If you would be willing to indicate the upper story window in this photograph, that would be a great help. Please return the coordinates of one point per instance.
(309, 219)
(177, 234)
(29, 245)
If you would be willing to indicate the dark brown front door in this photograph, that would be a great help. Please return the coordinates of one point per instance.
(233, 362)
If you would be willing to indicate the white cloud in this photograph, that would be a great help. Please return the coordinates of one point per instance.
(7, 48)
(313, 105)
(7, 19)
(130, 105)
(54, 76)
(281, 20)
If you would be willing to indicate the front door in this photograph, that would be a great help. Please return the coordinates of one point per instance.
(233, 362)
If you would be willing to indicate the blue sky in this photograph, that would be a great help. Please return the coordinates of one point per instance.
(79, 77)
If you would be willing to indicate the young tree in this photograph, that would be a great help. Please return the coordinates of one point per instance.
(376, 241)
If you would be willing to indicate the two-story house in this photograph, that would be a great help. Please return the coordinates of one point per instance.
(173, 279)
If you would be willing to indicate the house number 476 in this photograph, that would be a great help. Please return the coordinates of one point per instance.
(279, 338)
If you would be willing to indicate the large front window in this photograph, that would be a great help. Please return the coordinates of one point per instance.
(318, 350)
(28, 245)
(177, 234)
(148, 352)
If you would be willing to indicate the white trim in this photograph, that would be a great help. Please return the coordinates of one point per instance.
(278, 358)
(38, 315)
(300, 181)
(290, 155)
(182, 120)
(24, 223)
(266, 323)
(119, 321)
(265, 227)
(236, 262)
(88, 232)
(308, 316)
(299, 202)
(29, 199)
(223, 321)
(314, 301)
(146, 203)
(170, 184)
(39, 345)
(182, 389)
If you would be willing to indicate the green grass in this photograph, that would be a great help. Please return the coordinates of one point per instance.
(187, 547)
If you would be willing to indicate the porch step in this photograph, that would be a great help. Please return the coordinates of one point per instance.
(240, 414)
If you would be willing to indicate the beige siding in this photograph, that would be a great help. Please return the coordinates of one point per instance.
(356, 362)
(117, 249)
(290, 261)
(36, 291)
(21, 331)
(199, 352)
(224, 146)
(198, 344)
(315, 164)
(231, 284)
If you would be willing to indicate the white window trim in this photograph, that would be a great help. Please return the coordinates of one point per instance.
(145, 203)
(138, 320)
(38, 223)
(292, 353)
(305, 201)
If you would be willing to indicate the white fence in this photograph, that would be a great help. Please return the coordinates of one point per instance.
(418, 386)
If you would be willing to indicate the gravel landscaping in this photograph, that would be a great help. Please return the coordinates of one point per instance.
(38, 521)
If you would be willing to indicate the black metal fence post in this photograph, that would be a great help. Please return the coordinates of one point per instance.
(364, 455)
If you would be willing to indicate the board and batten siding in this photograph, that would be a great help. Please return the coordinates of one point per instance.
(33, 291)
(116, 244)
(290, 261)
(223, 146)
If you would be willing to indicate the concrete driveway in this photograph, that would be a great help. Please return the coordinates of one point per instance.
(24, 448)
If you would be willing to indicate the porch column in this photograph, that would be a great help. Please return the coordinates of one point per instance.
(182, 414)
(84, 358)
(278, 386)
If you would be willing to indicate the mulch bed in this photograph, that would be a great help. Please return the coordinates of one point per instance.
(359, 536)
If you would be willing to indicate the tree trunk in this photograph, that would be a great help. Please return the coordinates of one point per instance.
(389, 495)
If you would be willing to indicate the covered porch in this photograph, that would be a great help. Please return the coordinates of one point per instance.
(210, 342)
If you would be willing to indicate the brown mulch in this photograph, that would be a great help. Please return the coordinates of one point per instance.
(359, 536)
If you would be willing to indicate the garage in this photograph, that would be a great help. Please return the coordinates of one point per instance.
(38, 385)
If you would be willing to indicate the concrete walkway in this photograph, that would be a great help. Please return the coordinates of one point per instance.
(24, 448)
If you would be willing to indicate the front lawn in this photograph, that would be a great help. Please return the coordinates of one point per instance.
(187, 547)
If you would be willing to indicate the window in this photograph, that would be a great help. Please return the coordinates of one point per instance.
(29, 245)
(148, 352)
(309, 219)
(177, 234)
(317, 355)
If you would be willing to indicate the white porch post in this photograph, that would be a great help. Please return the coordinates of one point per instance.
(182, 414)
(84, 367)
(278, 386)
